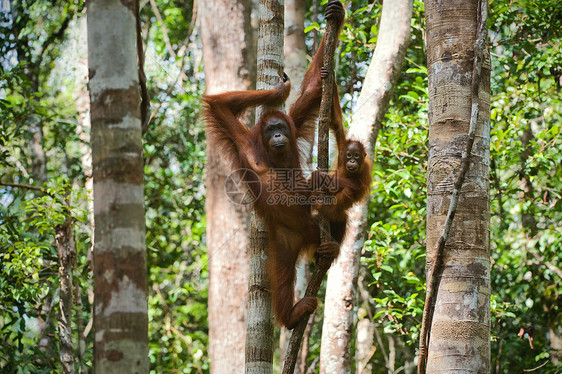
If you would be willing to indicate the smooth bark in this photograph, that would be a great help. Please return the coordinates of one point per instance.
(260, 326)
(228, 65)
(66, 250)
(120, 275)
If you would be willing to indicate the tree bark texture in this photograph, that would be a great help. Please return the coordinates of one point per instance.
(80, 97)
(66, 249)
(294, 46)
(120, 278)
(383, 72)
(229, 61)
(260, 326)
(365, 345)
(459, 339)
(295, 67)
(270, 57)
(555, 337)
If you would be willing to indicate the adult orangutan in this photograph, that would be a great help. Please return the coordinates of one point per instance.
(269, 149)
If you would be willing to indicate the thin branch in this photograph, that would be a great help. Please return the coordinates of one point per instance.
(169, 89)
(367, 302)
(537, 368)
(193, 19)
(42, 190)
(312, 368)
(164, 29)
(19, 185)
(497, 185)
(145, 99)
(434, 278)
(53, 37)
(306, 342)
(181, 75)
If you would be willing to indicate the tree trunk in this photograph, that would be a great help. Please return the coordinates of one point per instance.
(394, 37)
(120, 279)
(459, 339)
(229, 63)
(67, 259)
(83, 128)
(295, 67)
(260, 324)
(365, 345)
(259, 341)
(294, 46)
(555, 338)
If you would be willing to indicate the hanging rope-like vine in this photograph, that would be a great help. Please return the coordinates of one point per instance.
(323, 155)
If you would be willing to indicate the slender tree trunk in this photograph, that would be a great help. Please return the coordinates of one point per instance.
(45, 325)
(120, 279)
(528, 219)
(259, 340)
(80, 328)
(229, 65)
(295, 67)
(294, 46)
(83, 128)
(459, 339)
(67, 259)
(555, 338)
(365, 344)
(260, 324)
(385, 66)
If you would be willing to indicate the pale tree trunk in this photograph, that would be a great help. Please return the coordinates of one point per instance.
(120, 279)
(260, 324)
(294, 46)
(82, 101)
(366, 329)
(228, 64)
(66, 249)
(365, 344)
(295, 67)
(555, 337)
(83, 127)
(459, 339)
(260, 327)
(385, 66)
